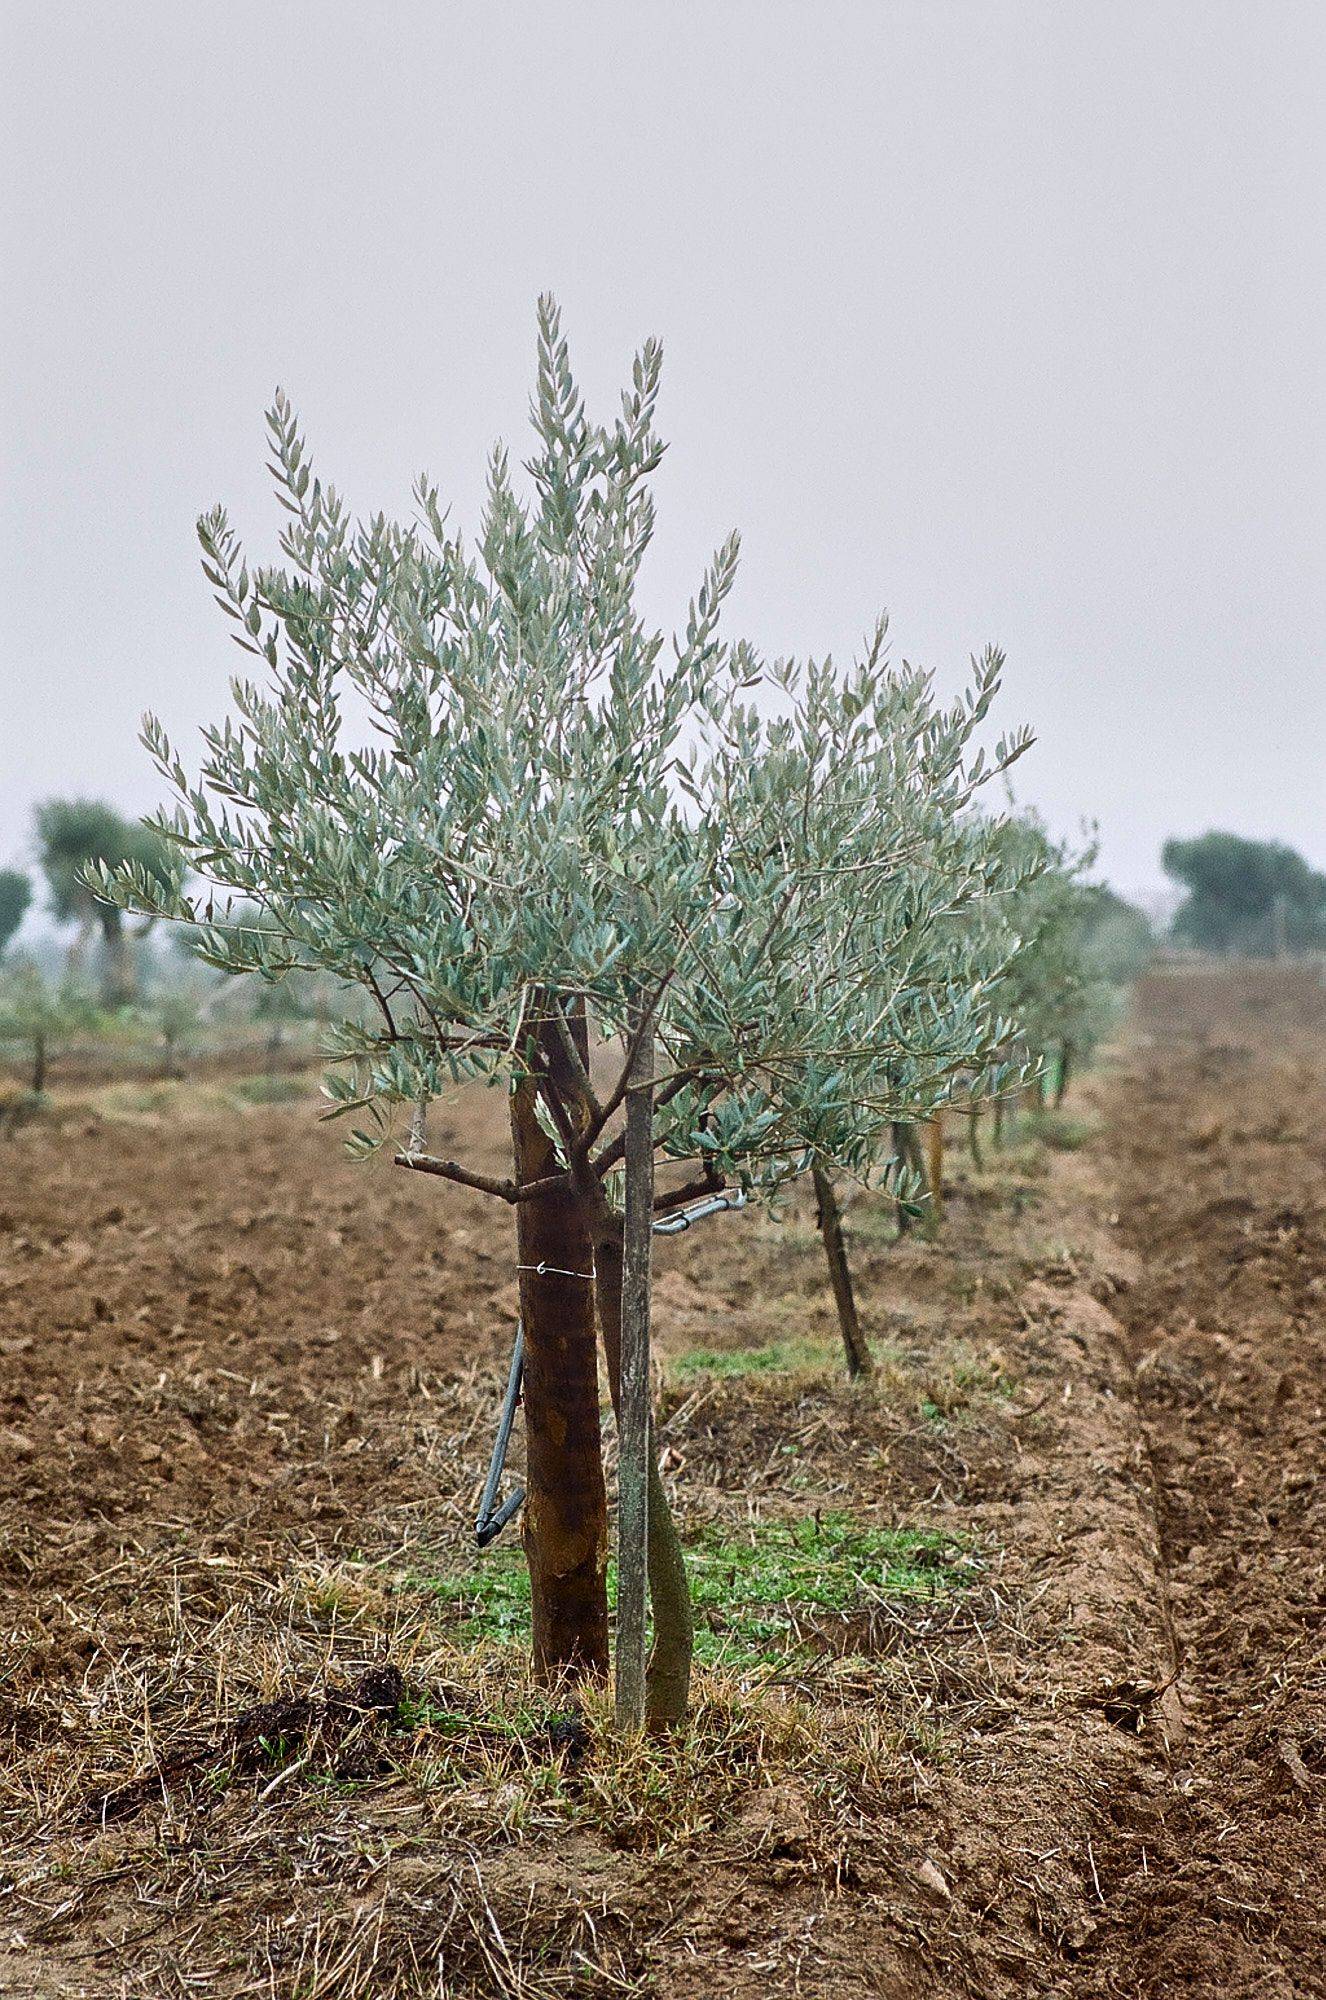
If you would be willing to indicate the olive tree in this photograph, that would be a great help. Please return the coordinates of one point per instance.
(37, 1014)
(569, 834)
(76, 834)
(913, 1181)
(15, 895)
(939, 943)
(1068, 963)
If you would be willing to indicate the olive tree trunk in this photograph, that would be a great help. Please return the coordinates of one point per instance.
(566, 1517)
(119, 970)
(1065, 1071)
(829, 1217)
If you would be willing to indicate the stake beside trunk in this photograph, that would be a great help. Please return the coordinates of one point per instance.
(668, 1678)
(633, 1429)
(935, 1166)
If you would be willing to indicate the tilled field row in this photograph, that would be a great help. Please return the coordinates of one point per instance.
(249, 1394)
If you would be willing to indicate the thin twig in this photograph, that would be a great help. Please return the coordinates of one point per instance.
(709, 1183)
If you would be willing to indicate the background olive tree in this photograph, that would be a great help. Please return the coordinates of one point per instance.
(38, 1014)
(1253, 896)
(15, 895)
(1074, 948)
(74, 835)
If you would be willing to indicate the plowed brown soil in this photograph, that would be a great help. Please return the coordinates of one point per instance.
(1218, 1131)
(244, 1378)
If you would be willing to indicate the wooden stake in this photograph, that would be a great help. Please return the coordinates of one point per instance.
(935, 1172)
(634, 1444)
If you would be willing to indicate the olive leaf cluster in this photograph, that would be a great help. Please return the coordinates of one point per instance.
(470, 779)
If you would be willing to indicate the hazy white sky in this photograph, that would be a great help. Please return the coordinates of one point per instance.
(1006, 316)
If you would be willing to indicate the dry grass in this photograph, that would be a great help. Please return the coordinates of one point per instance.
(356, 1861)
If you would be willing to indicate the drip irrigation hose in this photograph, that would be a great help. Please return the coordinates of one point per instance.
(712, 1204)
(493, 1518)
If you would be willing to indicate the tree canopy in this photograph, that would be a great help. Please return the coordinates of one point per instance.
(1075, 942)
(563, 804)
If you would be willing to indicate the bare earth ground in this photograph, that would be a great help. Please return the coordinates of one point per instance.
(247, 1398)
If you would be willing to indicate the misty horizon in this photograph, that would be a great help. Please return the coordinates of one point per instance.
(1005, 320)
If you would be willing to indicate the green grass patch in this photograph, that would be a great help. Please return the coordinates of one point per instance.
(272, 1089)
(774, 1357)
(1061, 1131)
(753, 1593)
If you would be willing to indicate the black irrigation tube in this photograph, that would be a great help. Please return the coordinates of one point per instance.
(492, 1517)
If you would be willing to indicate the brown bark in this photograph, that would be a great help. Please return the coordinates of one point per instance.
(829, 1218)
(565, 1521)
(1065, 1070)
(974, 1136)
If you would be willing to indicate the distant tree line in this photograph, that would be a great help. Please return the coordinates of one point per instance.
(109, 983)
(1257, 898)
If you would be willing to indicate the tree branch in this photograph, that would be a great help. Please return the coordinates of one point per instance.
(567, 1040)
(616, 1148)
(505, 1190)
(709, 1183)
